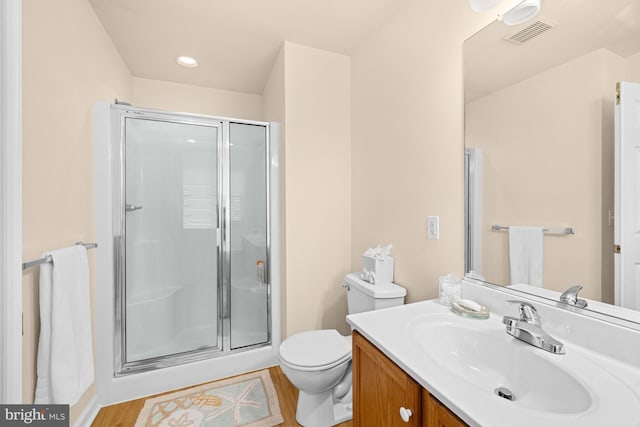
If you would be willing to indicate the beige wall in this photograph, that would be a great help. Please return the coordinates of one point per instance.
(317, 156)
(274, 110)
(273, 101)
(548, 148)
(169, 96)
(634, 67)
(68, 63)
(407, 146)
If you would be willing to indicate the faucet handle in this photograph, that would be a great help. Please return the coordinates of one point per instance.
(528, 312)
(570, 297)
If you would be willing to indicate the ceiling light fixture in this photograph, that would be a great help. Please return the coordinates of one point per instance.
(187, 61)
(521, 12)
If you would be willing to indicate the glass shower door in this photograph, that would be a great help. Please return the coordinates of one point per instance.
(171, 245)
(248, 235)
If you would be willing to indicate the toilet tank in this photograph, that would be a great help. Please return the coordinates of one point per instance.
(363, 296)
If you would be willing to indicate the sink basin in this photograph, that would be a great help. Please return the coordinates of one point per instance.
(490, 359)
(462, 362)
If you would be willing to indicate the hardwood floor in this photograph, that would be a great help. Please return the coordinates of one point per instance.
(125, 414)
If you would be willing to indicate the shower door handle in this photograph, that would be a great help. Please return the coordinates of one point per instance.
(260, 272)
(131, 208)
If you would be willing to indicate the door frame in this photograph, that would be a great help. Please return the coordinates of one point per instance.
(627, 293)
(11, 201)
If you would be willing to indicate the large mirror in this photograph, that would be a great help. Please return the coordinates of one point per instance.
(540, 102)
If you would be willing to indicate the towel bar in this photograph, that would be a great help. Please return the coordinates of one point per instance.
(566, 230)
(42, 260)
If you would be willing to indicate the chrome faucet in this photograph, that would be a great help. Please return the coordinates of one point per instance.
(570, 297)
(527, 328)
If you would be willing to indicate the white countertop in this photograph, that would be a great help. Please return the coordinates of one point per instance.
(614, 386)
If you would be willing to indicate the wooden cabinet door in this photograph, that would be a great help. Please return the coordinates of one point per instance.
(381, 388)
(435, 414)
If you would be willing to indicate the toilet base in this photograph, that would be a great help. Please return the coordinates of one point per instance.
(320, 410)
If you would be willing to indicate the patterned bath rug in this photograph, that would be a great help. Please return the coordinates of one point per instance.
(248, 400)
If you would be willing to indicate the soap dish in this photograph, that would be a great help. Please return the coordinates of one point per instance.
(458, 309)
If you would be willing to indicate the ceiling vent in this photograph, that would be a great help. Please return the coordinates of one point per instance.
(531, 31)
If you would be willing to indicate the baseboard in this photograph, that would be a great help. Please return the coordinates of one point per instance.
(89, 414)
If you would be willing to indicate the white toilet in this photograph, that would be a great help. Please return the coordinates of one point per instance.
(318, 363)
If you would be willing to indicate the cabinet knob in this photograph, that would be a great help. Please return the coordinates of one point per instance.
(405, 414)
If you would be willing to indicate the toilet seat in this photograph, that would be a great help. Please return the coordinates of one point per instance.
(315, 350)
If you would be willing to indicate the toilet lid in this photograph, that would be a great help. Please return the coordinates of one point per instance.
(315, 348)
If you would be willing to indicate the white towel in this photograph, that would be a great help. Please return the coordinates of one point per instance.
(525, 255)
(65, 348)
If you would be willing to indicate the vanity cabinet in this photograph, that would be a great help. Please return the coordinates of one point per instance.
(435, 414)
(381, 389)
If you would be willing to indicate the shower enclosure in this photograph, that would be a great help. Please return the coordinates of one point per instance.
(191, 238)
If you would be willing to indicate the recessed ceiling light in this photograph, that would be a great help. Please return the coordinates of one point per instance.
(187, 61)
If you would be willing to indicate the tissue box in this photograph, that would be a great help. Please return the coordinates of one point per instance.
(376, 270)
